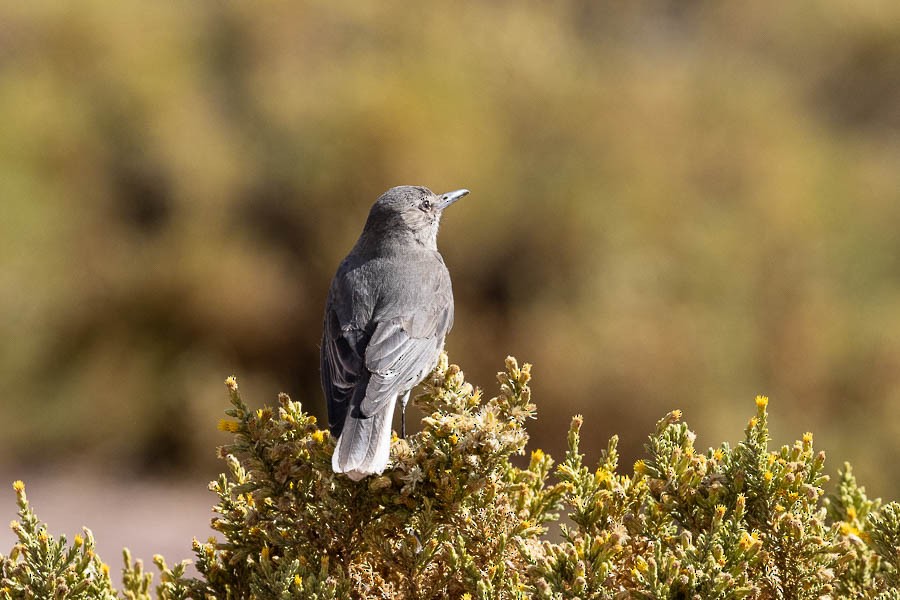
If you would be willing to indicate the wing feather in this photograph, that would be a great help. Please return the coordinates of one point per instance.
(342, 367)
(401, 352)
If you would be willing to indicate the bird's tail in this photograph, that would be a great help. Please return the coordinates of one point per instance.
(364, 445)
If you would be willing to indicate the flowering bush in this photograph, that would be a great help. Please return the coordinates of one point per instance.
(453, 518)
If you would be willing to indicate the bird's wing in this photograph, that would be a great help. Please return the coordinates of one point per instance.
(402, 351)
(342, 367)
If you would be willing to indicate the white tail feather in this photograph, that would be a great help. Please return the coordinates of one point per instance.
(365, 444)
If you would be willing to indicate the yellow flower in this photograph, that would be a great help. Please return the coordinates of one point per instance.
(640, 467)
(19, 485)
(746, 541)
(718, 454)
(808, 437)
(601, 475)
(298, 581)
(753, 422)
(231, 383)
(454, 439)
(720, 510)
(851, 513)
(229, 426)
(768, 475)
(105, 568)
(762, 402)
(78, 541)
(537, 455)
(318, 436)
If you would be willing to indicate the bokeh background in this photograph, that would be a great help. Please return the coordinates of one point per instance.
(675, 204)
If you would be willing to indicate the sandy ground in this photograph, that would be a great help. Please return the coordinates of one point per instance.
(149, 517)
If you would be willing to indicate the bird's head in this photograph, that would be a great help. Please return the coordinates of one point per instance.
(410, 211)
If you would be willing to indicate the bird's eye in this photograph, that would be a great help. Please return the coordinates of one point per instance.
(425, 205)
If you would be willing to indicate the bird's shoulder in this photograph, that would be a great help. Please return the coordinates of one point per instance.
(388, 271)
(381, 287)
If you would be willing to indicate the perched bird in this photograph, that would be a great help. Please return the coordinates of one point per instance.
(389, 308)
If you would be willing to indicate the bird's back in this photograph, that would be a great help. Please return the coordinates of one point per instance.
(411, 295)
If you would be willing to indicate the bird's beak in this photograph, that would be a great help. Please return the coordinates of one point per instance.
(450, 197)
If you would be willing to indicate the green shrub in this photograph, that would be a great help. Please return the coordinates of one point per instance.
(454, 518)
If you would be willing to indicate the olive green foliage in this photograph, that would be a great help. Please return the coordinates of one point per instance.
(450, 515)
(454, 517)
(40, 566)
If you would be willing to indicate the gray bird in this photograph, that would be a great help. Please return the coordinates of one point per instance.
(389, 308)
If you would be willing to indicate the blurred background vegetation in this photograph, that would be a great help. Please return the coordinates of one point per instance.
(674, 204)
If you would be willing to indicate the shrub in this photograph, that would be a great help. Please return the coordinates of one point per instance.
(454, 518)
